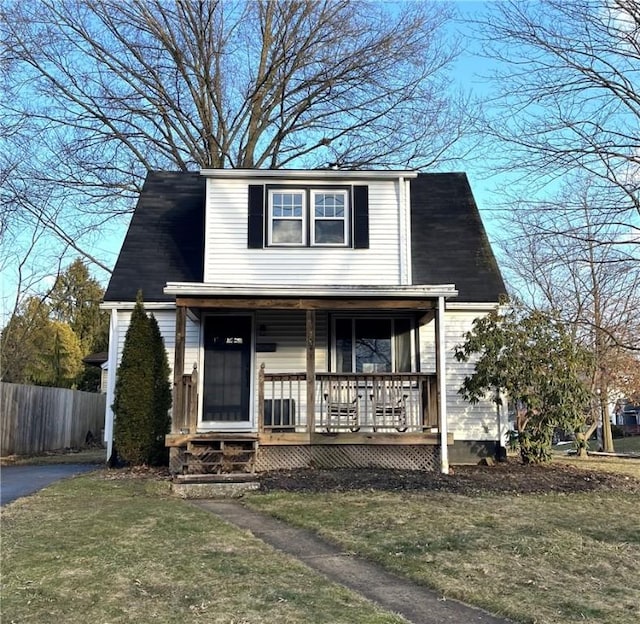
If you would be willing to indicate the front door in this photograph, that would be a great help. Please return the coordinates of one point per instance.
(227, 371)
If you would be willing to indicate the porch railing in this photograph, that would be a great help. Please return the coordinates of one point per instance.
(349, 402)
(185, 418)
(282, 401)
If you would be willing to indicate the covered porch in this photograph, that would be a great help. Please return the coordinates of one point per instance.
(319, 415)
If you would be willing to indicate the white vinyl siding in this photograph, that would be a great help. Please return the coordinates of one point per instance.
(465, 421)
(229, 261)
(287, 330)
(167, 325)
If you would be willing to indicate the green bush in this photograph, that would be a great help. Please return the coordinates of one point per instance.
(142, 393)
(161, 396)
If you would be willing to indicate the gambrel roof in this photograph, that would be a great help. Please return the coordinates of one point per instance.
(165, 240)
(449, 244)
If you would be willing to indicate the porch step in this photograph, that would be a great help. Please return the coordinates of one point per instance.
(220, 455)
(215, 478)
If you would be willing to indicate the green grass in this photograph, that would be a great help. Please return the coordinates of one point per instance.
(109, 551)
(618, 465)
(630, 444)
(536, 558)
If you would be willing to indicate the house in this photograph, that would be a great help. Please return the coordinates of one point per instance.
(99, 360)
(310, 316)
(627, 416)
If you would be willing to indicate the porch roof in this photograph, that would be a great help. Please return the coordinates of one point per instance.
(307, 296)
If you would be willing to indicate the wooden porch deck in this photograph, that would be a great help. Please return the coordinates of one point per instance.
(354, 420)
(308, 439)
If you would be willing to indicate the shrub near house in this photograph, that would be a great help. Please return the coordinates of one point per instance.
(532, 359)
(142, 393)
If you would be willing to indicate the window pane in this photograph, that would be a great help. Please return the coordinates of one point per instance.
(329, 232)
(286, 232)
(343, 346)
(286, 204)
(373, 345)
(329, 205)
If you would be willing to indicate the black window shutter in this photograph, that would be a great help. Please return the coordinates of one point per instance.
(255, 227)
(361, 217)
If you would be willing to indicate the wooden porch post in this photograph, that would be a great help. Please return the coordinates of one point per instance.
(192, 407)
(311, 371)
(178, 419)
(441, 372)
(261, 399)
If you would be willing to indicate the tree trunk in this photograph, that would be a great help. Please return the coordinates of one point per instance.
(607, 437)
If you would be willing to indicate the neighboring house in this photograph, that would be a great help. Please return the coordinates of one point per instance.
(310, 316)
(627, 416)
(99, 360)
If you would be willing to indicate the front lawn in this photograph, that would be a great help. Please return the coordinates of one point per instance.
(628, 445)
(547, 545)
(553, 555)
(92, 549)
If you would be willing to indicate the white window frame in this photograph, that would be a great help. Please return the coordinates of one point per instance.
(345, 219)
(302, 219)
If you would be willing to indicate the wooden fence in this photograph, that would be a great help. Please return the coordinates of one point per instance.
(34, 419)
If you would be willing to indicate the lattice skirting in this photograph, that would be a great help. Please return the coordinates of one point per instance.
(347, 456)
(177, 459)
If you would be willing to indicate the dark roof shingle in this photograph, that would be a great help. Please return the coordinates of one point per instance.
(165, 240)
(449, 243)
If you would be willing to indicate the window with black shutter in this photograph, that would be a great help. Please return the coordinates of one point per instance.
(327, 216)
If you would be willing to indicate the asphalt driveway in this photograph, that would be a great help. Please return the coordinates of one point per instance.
(18, 481)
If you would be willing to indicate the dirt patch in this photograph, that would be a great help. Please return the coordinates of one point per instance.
(510, 477)
(93, 455)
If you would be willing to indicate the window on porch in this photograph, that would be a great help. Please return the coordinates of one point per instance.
(373, 345)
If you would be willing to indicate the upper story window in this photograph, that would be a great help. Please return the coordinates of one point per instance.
(286, 216)
(301, 217)
(330, 222)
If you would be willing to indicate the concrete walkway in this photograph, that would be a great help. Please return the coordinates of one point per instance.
(414, 602)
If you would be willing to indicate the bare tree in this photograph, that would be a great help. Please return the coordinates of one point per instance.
(558, 260)
(567, 94)
(98, 92)
(113, 89)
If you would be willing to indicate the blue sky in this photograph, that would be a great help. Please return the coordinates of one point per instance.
(467, 75)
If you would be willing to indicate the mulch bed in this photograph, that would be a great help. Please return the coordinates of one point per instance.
(510, 478)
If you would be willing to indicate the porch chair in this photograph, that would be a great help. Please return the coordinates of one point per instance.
(343, 408)
(389, 408)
